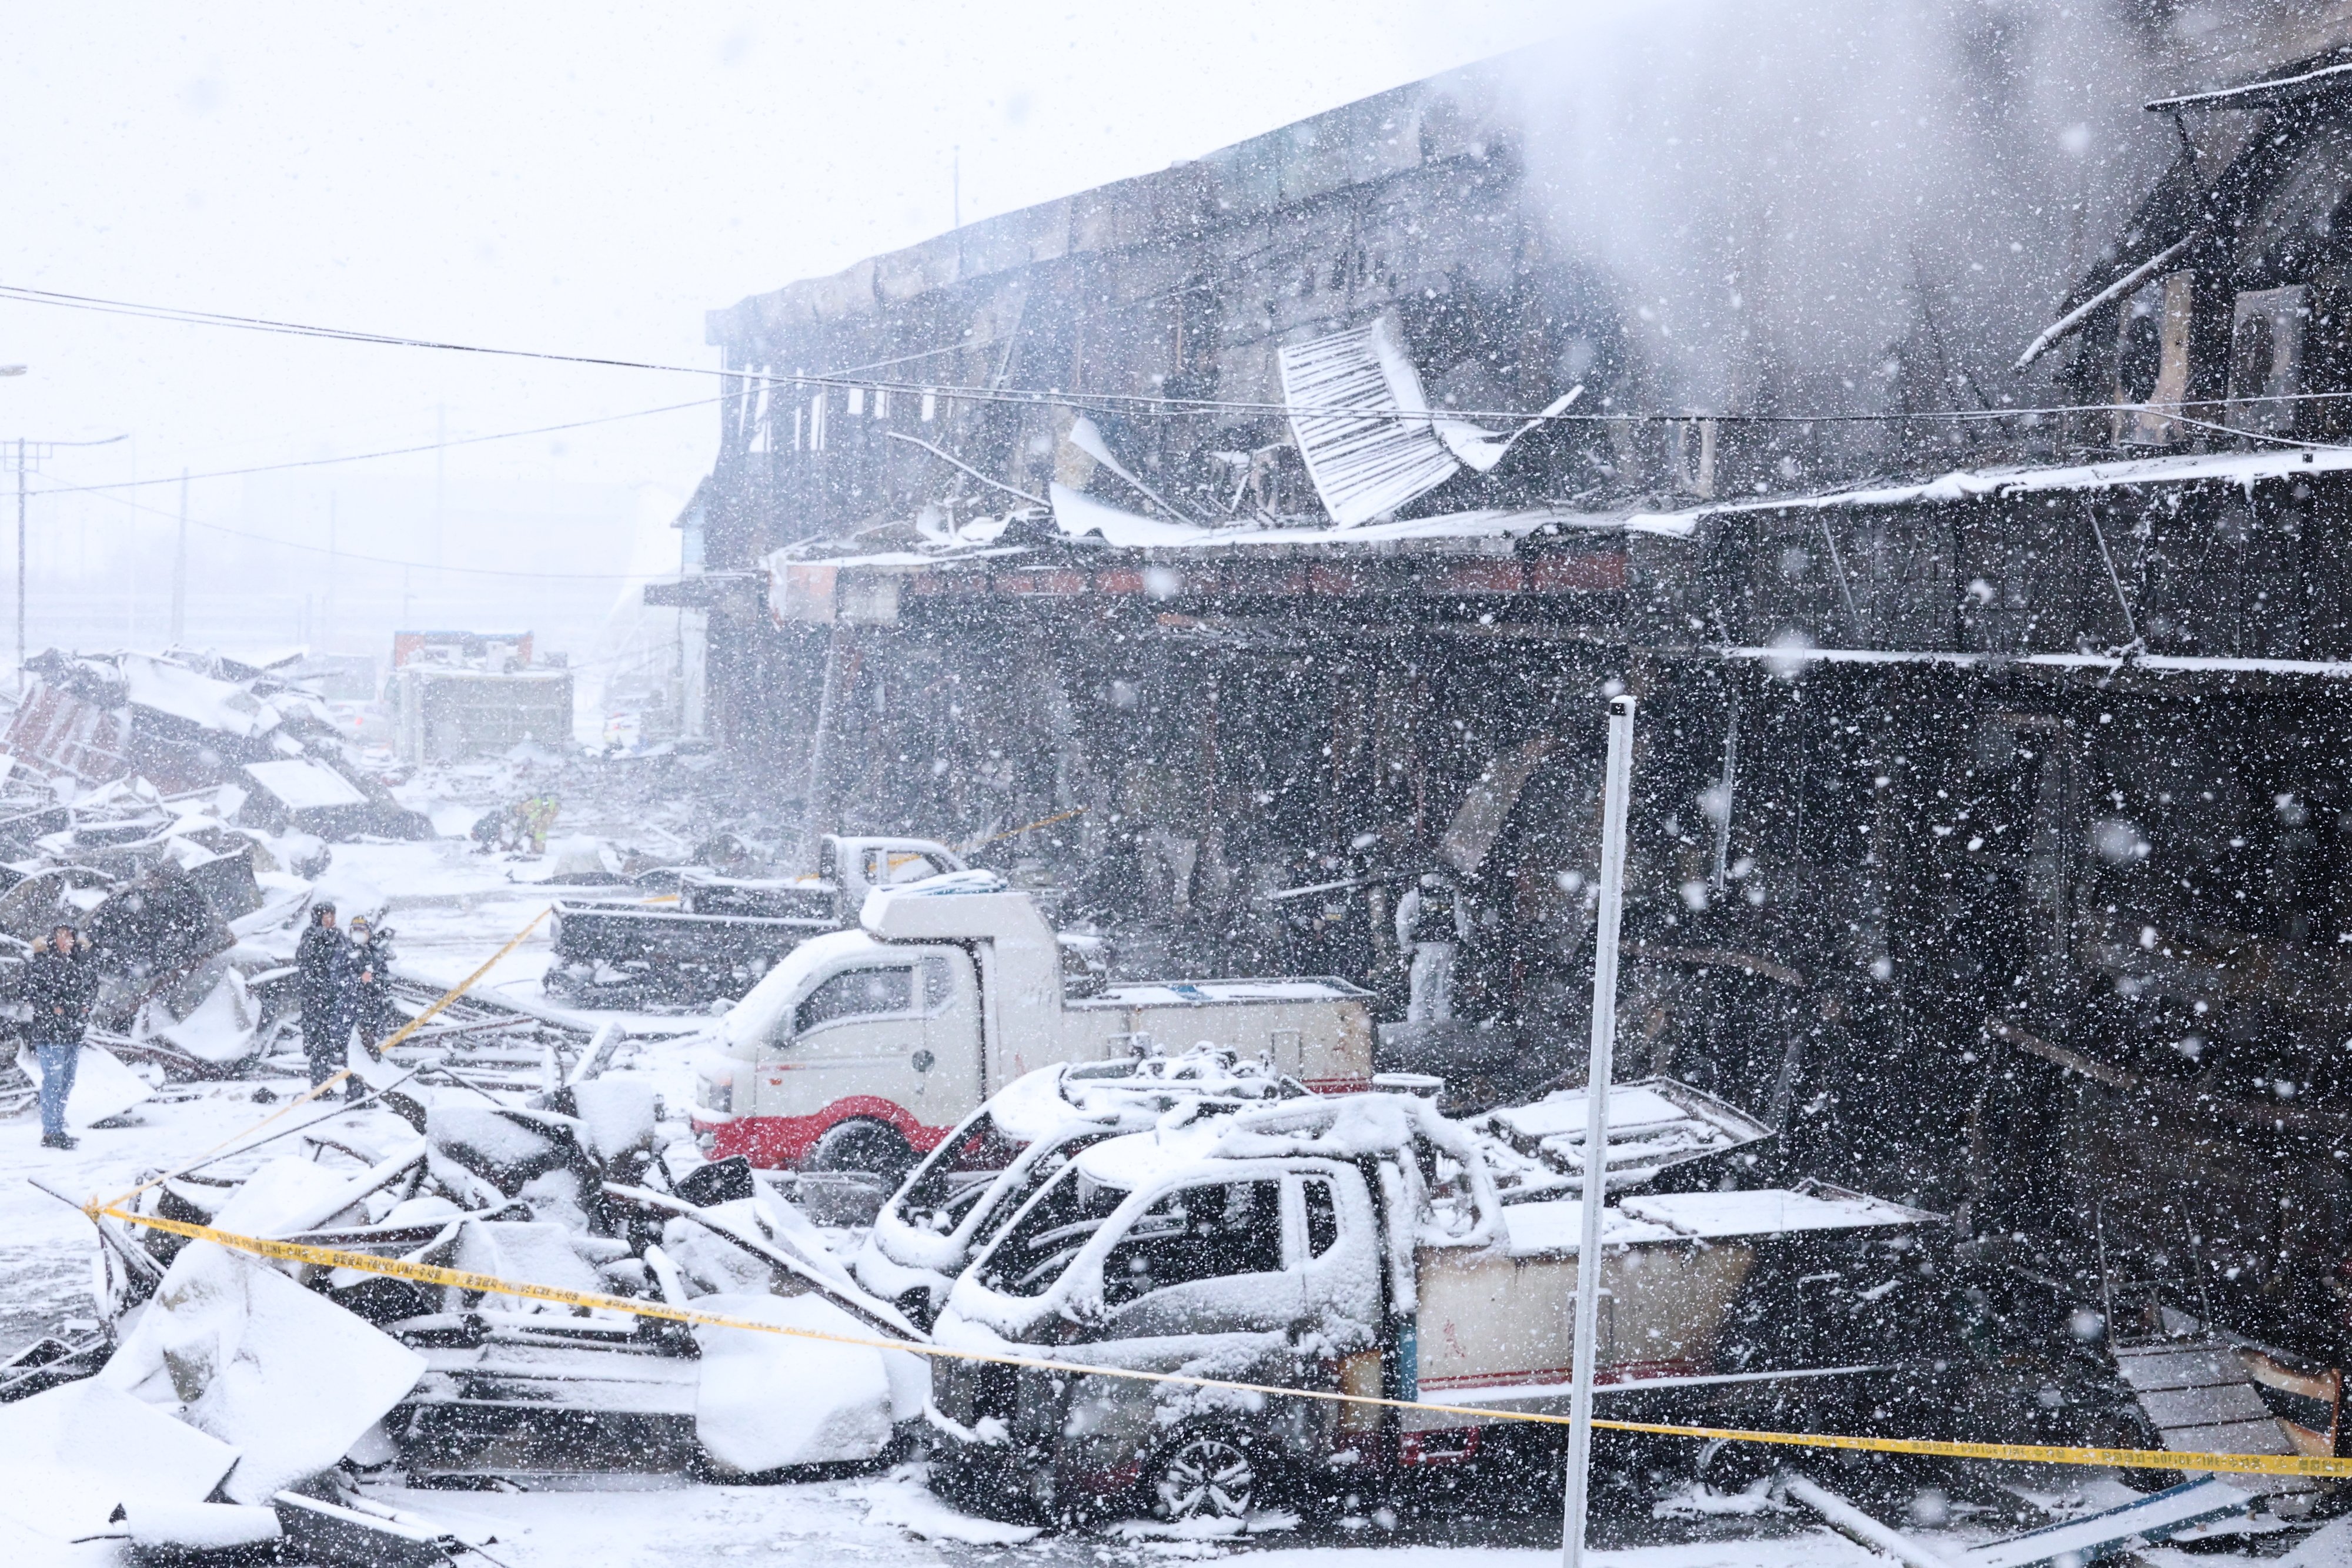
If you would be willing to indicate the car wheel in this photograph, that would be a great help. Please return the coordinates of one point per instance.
(1207, 1476)
(872, 1148)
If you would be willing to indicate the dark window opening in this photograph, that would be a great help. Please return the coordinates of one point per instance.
(1197, 1233)
(1058, 1224)
(1322, 1218)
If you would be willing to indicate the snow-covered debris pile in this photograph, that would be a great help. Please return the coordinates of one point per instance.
(189, 919)
(300, 1375)
(1662, 1134)
(189, 721)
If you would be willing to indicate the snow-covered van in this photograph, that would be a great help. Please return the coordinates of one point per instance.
(861, 1049)
(956, 1200)
(1356, 1244)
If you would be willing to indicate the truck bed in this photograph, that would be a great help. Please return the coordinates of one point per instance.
(1291, 1022)
(1495, 1324)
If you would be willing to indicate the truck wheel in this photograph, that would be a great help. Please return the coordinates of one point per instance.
(1204, 1475)
(873, 1148)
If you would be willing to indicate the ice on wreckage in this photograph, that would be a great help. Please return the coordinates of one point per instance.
(765, 1400)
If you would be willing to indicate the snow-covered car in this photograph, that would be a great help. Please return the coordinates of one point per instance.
(966, 1188)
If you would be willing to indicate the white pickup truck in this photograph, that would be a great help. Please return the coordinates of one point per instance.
(861, 1049)
(1358, 1245)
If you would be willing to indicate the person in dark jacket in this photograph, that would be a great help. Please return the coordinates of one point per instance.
(60, 983)
(322, 978)
(370, 987)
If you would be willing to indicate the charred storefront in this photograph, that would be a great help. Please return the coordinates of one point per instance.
(1271, 529)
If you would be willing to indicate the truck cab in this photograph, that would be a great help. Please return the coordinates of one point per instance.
(862, 1049)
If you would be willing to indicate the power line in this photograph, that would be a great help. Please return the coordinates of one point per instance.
(409, 450)
(1106, 403)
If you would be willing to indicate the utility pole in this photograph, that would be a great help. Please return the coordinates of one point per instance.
(331, 499)
(20, 563)
(180, 572)
(440, 489)
(26, 454)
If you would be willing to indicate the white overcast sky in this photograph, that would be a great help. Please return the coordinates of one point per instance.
(579, 178)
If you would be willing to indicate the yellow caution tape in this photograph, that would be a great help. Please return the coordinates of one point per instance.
(490, 1284)
(1016, 833)
(316, 1090)
(462, 986)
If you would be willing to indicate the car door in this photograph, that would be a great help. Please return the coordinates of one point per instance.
(900, 1028)
(947, 1067)
(1206, 1260)
(854, 1032)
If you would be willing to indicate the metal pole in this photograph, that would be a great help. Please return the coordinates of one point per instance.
(1596, 1123)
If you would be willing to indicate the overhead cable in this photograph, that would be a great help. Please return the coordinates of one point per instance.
(1136, 404)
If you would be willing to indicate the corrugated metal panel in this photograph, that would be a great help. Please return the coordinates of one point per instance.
(57, 732)
(2201, 1395)
(1365, 465)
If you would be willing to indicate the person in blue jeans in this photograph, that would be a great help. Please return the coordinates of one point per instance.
(60, 983)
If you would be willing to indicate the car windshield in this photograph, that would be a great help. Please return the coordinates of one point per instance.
(1053, 1229)
(1039, 1165)
(953, 1177)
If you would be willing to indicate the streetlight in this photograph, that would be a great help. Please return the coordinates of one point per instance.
(28, 453)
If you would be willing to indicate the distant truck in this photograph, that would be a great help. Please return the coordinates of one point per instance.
(862, 1049)
(1357, 1245)
(723, 933)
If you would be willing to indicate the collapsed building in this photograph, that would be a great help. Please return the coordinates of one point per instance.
(1992, 820)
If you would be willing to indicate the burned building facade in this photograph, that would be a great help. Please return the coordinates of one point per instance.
(1994, 826)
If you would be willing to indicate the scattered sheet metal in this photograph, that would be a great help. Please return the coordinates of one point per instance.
(2143, 1521)
(1352, 396)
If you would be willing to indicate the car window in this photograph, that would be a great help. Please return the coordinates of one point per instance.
(1197, 1233)
(1056, 1226)
(1047, 1164)
(887, 868)
(857, 993)
(939, 986)
(954, 1176)
(1322, 1217)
